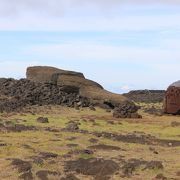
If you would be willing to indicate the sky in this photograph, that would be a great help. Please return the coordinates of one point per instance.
(122, 44)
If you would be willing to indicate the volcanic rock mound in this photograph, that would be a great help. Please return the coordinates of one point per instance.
(20, 93)
(146, 96)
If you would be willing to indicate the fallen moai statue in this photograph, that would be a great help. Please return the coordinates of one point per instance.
(71, 81)
(45, 74)
(48, 85)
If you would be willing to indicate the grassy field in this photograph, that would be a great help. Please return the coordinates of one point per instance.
(46, 151)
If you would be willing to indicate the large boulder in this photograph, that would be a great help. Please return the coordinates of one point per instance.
(172, 99)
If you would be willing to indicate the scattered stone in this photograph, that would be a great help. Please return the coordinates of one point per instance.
(128, 169)
(175, 124)
(42, 120)
(93, 140)
(70, 177)
(92, 108)
(104, 147)
(52, 162)
(51, 129)
(83, 151)
(77, 107)
(71, 138)
(3, 144)
(72, 145)
(83, 131)
(21, 165)
(8, 126)
(110, 122)
(94, 167)
(92, 120)
(161, 177)
(47, 155)
(87, 151)
(37, 160)
(135, 116)
(151, 148)
(132, 164)
(138, 139)
(154, 165)
(73, 126)
(108, 110)
(26, 176)
(155, 152)
(55, 140)
(43, 174)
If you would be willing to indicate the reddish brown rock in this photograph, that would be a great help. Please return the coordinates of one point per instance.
(172, 99)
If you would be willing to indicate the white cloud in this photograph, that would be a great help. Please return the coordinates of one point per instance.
(59, 7)
(123, 23)
(128, 67)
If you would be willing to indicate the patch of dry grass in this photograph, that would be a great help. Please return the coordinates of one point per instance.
(25, 144)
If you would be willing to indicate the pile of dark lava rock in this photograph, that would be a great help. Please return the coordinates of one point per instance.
(126, 110)
(16, 94)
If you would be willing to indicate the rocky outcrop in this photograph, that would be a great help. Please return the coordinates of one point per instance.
(146, 96)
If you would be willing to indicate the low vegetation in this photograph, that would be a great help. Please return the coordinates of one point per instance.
(88, 144)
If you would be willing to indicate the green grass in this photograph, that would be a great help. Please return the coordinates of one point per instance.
(56, 142)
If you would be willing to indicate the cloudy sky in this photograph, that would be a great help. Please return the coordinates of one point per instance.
(122, 44)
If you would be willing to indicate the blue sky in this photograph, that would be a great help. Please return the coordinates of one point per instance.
(123, 45)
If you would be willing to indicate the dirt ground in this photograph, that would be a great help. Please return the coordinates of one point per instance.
(88, 145)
